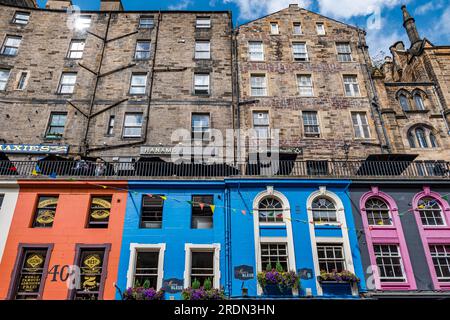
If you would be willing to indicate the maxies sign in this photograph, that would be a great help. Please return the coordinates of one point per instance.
(34, 148)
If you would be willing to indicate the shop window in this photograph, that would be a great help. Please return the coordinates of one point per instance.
(273, 254)
(152, 212)
(389, 262)
(146, 270)
(331, 257)
(45, 212)
(91, 263)
(99, 212)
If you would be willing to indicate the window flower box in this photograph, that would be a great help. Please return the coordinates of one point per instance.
(276, 282)
(142, 293)
(205, 292)
(344, 277)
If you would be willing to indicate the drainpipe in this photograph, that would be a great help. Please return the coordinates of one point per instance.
(238, 94)
(375, 101)
(228, 259)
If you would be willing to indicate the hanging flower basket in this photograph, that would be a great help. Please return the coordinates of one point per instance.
(345, 276)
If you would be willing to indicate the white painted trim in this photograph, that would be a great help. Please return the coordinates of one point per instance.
(189, 247)
(134, 248)
(345, 241)
(10, 190)
(289, 240)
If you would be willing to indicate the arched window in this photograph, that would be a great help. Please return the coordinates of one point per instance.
(422, 137)
(324, 210)
(378, 213)
(404, 103)
(419, 102)
(430, 212)
(270, 210)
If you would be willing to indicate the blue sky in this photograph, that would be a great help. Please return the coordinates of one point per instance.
(431, 16)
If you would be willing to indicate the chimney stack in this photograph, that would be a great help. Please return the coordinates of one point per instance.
(111, 5)
(58, 4)
(410, 25)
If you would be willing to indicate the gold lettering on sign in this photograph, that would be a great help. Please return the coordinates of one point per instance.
(100, 214)
(102, 203)
(46, 217)
(48, 202)
(35, 261)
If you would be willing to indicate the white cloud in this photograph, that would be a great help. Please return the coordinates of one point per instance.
(345, 9)
(182, 5)
(441, 28)
(429, 6)
(253, 9)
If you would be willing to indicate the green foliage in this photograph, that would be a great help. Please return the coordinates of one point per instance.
(269, 267)
(196, 284)
(208, 284)
(146, 284)
(279, 267)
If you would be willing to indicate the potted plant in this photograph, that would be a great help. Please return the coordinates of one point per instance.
(143, 292)
(205, 292)
(337, 277)
(277, 282)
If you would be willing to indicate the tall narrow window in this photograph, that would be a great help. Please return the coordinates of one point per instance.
(21, 18)
(67, 83)
(404, 103)
(45, 212)
(378, 212)
(274, 29)
(202, 214)
(2, 196)
(324, 210)
(389, 262)
(30, 277)
(311, 124)
(201, 83)
(351, 86)
(441, 261)
(433, 140)
(57, 123)
(146, 269)
(419, 102)
(272, 254)
(76, 49)
(11, 45)
(331, 257)
(305, 85)
(270, 210)
(421, 138)
(142, 50)
(360, 125)
(344, 52)
(261, 124)
(202, 50)
(430, 212)
(4, 76)
(256, 50)
(22, 81)
(202, 267)
(203, 23)
(111, 123)
(200, 126)
(91, 263)
(99, 212)
(132, 127)
(320, 28)
(300, 51)
(138, 83)
(146, 22)
(258, 85)
(297, 28)
(152, 212)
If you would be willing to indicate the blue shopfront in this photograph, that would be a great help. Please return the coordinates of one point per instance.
(227, 231)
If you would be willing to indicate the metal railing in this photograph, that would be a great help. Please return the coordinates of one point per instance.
(307, 169)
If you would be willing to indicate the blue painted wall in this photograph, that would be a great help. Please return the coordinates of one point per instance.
(232, 229)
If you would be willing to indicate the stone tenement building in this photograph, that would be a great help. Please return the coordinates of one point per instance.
(116, 85)
(414, 94)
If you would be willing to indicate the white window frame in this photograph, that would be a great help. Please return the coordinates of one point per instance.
(402, 264)
(300, 55)
(353, 85)
(137, 51)
(274, 28)
(63, 84)
(263, 88)
(437, 256)
(214, 247)
(71, 51)
(311, 135)
(344, 53)
(299, 25)
(202, 86)
(134, 249)
(202, 54)
(21, 21)
(138, 74)
(305, 90)
(83, 22)
(320, 29)
(134, 126)
(203, 23)
(4, 83)
(15, 47)
(359, 126)
(261, 126)
(257, 55)
(146, 25)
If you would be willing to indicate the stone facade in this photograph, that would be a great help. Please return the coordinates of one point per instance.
(420, 73)
(169, 100)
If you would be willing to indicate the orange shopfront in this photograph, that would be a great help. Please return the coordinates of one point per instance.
(59, 229)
